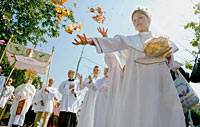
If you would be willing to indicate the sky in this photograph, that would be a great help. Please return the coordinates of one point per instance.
(168, 18)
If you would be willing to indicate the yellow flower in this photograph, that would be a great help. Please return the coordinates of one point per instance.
(60, 2)
(69, 31)
(80, 25)
(74, 4)
(65, 12)
(60, 17)
(58, 8)
(72, 26)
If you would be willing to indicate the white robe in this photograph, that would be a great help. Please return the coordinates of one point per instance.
(24, 91)
(87, 109)
(49, 99)
(101, 102)
(150, 98)
(115, 74)
(5, 95)
(2, 81)
(69, 102)
(37, 99)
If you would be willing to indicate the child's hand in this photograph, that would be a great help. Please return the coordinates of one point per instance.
(103, 32)
(42, 102)
(83, 40)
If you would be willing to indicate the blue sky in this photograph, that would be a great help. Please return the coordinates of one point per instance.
(168, 17)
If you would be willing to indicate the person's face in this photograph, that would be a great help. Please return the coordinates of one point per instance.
(41, 84)
(51, 81)
(96, 71)
(141, 22)
(9, 82)
(71, 75)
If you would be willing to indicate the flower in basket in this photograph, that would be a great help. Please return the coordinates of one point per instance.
(157, 46)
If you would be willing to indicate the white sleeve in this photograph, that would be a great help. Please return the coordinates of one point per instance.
(63, 88)
(105, 44)
(53, 93)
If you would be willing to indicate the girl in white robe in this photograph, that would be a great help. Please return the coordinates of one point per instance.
(116, 64)
(150, 98)
(87, 109)
(101, 101)
(114, 90)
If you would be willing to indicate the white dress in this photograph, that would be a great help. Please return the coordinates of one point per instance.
(149, 97)
(87, 109)
(5, 95)
(114, 90)
(101, 102)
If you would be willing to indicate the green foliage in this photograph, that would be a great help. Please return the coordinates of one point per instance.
(195, 27)
(36, 82)
(188, 65)
(195, 114)
(29, 21)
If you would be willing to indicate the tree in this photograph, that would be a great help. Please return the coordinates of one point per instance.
(30, 21)
(195, 27)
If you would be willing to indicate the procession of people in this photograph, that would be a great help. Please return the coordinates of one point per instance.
(135, 91)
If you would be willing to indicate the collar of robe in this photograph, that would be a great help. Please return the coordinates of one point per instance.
(137, 41)
(70, 79)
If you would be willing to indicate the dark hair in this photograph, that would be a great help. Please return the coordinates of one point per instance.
(142, 12)
(96, 67)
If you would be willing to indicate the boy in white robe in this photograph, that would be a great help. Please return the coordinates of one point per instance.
(21, 103)
(48, 96)
(37, 99)
(68, 106)
(7, 93)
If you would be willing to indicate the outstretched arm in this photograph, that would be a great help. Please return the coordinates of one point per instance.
(103, 44)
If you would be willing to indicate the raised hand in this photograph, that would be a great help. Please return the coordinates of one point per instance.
(90, 78)
(83, 40)
(103, 32)
(80, 76)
